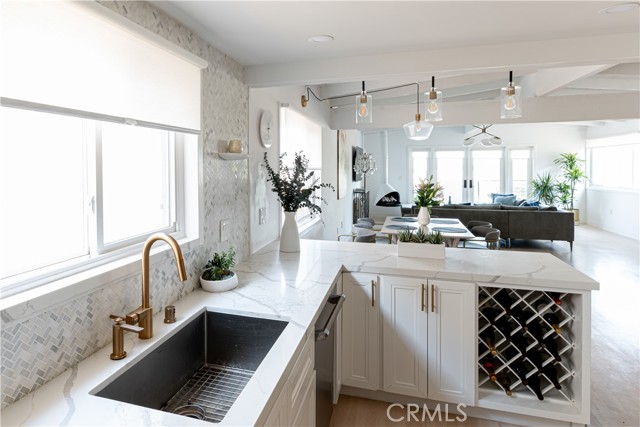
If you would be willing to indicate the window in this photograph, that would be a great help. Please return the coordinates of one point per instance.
(73, 189)
(521, 172)
(471, 175)
(299, 134)
(615, 166)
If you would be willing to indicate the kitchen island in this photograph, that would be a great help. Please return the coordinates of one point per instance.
(293, 287)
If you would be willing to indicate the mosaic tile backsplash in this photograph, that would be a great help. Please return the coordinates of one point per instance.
(41, 345)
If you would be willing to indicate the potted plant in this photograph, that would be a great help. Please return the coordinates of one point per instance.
(428, 193)
(295, 189)
(572, 174)
(420, 244)
(217, 275)
(544, 189)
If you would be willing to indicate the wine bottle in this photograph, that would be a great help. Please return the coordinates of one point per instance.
(550, 372)
(534, 384)
(505, 382)
(502, 324)
(490, 339)
(516, 363)
(523, 316)
(503, 298)
(488, 363)
(552, 345)
(535, 358)
(520, 342)
(490, 313)
(535, 330)
(556, 297)
(553, 321)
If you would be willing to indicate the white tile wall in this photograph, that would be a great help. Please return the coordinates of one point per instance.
(40, 345)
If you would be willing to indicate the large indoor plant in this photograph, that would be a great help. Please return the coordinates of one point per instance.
(543, 188)
(428, 194)
(572, 174)
(296, 189)
(217, 275)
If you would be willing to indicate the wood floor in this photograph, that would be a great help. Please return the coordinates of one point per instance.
(615, 357)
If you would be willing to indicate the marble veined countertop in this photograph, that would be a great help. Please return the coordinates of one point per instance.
(277, 285)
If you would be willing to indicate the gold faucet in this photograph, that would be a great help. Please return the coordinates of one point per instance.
(143, 315)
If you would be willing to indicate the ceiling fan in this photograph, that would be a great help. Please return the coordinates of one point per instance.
(489, 139)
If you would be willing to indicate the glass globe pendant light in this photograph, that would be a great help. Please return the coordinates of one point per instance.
(510, 105)
(418, 129)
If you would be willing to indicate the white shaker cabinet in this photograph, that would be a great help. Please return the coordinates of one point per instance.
(451, 344)
(404, 335)
(360, 331)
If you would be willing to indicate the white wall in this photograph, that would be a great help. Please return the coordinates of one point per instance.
(548, 141)
(336, 214)
(617, 211)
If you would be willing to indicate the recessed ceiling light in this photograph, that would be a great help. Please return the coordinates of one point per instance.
(620, 8)
(320, 39)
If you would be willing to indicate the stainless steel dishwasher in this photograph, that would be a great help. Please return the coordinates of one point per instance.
(324, 357)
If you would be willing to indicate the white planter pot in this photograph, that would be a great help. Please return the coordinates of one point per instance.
(289, 237)
(420, 250)
(219, 285)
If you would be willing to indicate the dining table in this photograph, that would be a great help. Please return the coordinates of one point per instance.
(451, 228)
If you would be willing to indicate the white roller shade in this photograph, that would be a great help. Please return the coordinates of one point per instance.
(81, 56)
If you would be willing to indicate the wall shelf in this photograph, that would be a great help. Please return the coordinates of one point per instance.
(233, 156)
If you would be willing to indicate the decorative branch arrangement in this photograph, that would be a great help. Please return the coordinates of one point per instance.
(295, 187)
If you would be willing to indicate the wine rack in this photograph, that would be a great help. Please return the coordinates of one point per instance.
(527, 344)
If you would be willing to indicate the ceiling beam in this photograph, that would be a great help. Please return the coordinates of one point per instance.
(611, 106)
(594, 50)
(547, 81)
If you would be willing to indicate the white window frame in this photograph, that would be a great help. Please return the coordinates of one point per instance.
(187, 179)
(615, 141)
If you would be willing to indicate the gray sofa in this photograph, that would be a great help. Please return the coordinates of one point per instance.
(516, 222)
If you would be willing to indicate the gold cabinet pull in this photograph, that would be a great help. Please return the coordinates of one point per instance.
(433, 298)
(372, 293)
(422, 297)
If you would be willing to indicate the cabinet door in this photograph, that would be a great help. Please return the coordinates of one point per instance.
(452, 348)
(404, 334)
(360, 331)
(306, 416)
(279, 415)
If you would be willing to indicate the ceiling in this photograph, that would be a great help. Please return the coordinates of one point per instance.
(565, 54)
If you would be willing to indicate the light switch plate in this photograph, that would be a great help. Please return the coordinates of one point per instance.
(224, 230)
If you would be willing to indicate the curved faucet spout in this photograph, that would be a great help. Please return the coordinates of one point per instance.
(146, 311)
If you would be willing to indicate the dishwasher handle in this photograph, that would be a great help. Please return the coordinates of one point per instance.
(338, 300)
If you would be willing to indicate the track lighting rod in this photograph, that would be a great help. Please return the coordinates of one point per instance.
(305, 99)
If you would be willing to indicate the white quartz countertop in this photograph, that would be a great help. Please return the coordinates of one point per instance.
(277, 285)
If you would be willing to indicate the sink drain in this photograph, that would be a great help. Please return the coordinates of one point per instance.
(191, 411)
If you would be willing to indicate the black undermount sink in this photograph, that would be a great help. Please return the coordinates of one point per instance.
(200, 371)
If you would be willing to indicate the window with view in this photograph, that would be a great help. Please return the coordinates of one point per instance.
(73, 189)
(299, 134)
(616, 165)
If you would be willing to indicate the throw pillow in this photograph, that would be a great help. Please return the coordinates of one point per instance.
(494, 195)
(531, 203)
(505, 200)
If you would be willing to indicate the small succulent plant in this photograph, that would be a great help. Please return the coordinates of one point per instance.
(420, 236)
(435, 238)
(219, 267)
(405, 235)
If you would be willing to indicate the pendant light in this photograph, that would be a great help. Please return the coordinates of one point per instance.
(510, 106)
(418, 129)
(364, 107)
(433, 100)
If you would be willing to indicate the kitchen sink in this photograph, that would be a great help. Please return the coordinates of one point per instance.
(200, 371)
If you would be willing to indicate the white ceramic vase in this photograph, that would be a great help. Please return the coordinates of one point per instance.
(289, 238)
(424, 217)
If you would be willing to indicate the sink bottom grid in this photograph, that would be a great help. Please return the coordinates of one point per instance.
(212, 390)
